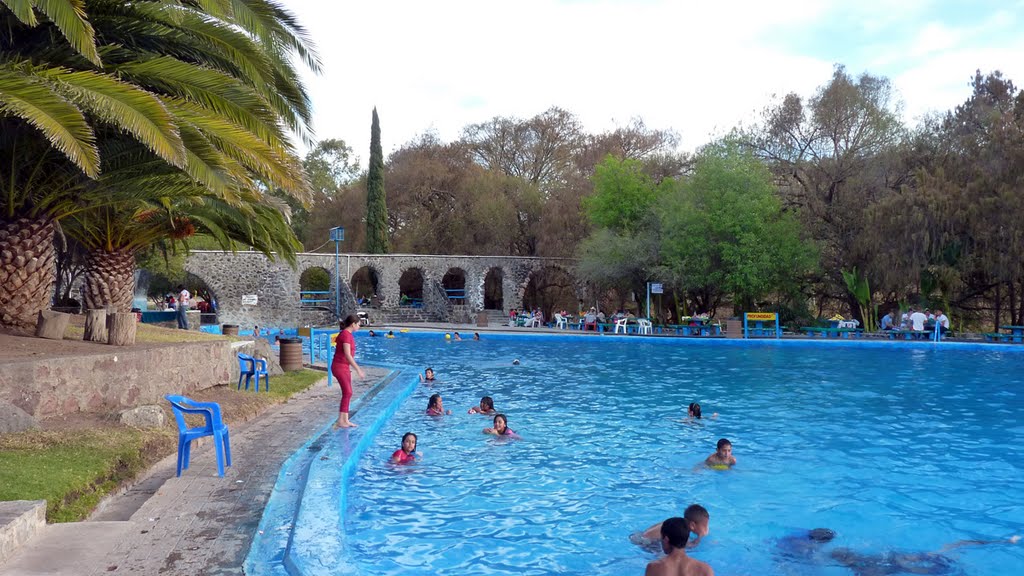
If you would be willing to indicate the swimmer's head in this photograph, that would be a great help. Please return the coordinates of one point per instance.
(487, 403)
(697, 519)
(515, 362)
(372, 333)
(434, 402)
(694, 410)
(724, 448)
(500, 423)
(821, 535)
(476, 335)
(409, 443)
(428, 373)
(675, 533)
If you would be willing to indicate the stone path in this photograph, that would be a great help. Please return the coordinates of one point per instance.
(198, 524)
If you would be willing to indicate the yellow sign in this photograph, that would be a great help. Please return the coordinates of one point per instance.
(307, 332)
(334, 339)
(760, 316)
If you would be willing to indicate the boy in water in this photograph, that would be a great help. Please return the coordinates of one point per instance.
(697, 520)
(723, 455)
(674, 535)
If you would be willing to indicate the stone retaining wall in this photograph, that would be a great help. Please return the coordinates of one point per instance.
(120, 379)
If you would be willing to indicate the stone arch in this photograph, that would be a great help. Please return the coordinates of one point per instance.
(455, 279)
(494, 293)
(410, 285)
(316, 288)
(365, 283)
(550, 288)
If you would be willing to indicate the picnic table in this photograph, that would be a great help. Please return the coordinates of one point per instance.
(816, 332)
(1016, 333)
(909, 334)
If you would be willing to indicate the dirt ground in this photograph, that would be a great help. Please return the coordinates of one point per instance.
(15, 346)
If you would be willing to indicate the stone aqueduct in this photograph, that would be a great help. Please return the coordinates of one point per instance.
(276, 285)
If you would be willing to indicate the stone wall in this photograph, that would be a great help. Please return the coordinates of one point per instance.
(120, 379)
(276, 285)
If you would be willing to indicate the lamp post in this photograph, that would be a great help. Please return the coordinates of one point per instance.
(338, 235)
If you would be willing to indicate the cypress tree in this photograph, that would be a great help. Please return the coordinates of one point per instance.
(376, 206)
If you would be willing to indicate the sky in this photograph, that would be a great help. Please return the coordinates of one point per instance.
(698, 68)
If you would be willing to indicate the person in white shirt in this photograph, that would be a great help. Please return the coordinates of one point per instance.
(183, 302)
(942, 320)
(917, 319)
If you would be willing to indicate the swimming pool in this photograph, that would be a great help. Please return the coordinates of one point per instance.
(901, 448)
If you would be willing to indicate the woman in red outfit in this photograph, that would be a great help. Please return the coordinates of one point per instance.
(341, 367)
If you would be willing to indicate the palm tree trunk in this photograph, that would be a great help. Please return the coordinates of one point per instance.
(26, 270)
(109, 279)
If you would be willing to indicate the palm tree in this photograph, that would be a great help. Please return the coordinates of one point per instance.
(204, 87)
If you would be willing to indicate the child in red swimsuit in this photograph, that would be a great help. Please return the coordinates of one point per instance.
(407, 453)
(435, 406)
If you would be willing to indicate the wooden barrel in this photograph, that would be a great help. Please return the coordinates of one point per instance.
(291, 354)
(229, 329)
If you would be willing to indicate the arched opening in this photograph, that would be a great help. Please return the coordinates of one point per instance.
(494, 298)
(315, 289)
(454, 284)
(410, 288)
(364, 286)
(160, 287)
(551, 290)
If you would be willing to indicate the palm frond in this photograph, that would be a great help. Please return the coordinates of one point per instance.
(26, 96)
(124, 106)
(69, 16)
(22, 10)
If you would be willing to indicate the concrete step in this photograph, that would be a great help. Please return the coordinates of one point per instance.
(20, 520)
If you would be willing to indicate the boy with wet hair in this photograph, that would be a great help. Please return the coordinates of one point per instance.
(722, 456)
(697, 520)
(674, 536)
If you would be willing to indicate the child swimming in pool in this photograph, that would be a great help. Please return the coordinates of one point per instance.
(723, 455)
(501, 428)
(435, 406)
(486, 406)
(697, 519)
(693, 412)
(407, 453)
(427, 376)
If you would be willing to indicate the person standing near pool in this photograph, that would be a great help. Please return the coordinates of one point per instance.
(674, 536)
(407, 453)
(341, 367)
(722, 456)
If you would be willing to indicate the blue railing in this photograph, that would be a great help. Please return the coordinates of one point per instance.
(314, 298)
(455, 293)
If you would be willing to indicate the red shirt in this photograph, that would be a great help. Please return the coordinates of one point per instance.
(339, 353)
(402, 457)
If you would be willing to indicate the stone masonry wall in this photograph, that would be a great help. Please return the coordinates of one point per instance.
(276, 284)
(119, 379)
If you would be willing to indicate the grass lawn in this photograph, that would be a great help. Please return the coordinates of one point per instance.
(73, 469)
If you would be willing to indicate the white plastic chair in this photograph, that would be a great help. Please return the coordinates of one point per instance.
(644, 326)
(621, 323)
(561, 321)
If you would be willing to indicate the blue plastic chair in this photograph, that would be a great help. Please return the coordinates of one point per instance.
(249, 368)
(213, 426)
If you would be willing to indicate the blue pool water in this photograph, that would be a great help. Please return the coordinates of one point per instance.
(896, 448)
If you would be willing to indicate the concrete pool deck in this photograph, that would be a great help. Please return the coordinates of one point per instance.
(198, 524)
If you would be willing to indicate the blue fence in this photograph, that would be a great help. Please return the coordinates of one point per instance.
(315, 298)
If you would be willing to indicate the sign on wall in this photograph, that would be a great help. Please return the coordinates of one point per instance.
(249, 299)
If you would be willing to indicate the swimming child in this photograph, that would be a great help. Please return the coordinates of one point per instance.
(722, 456)
(476, 335)
(435, 406)
(697, 519)
(457, 337)
(501, 428)
(693, 411)
(407, 453)
(486, 406)
(371, 333)
(390, 334)
(427, 376)
(674, 537)
(515, 361)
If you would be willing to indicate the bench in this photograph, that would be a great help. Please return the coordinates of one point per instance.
(909, 334)
(998, 337)
(815, 332)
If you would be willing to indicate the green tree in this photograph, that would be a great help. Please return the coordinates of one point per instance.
(623, 195)
(206, 89)
(724, 233)
(376, 205)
